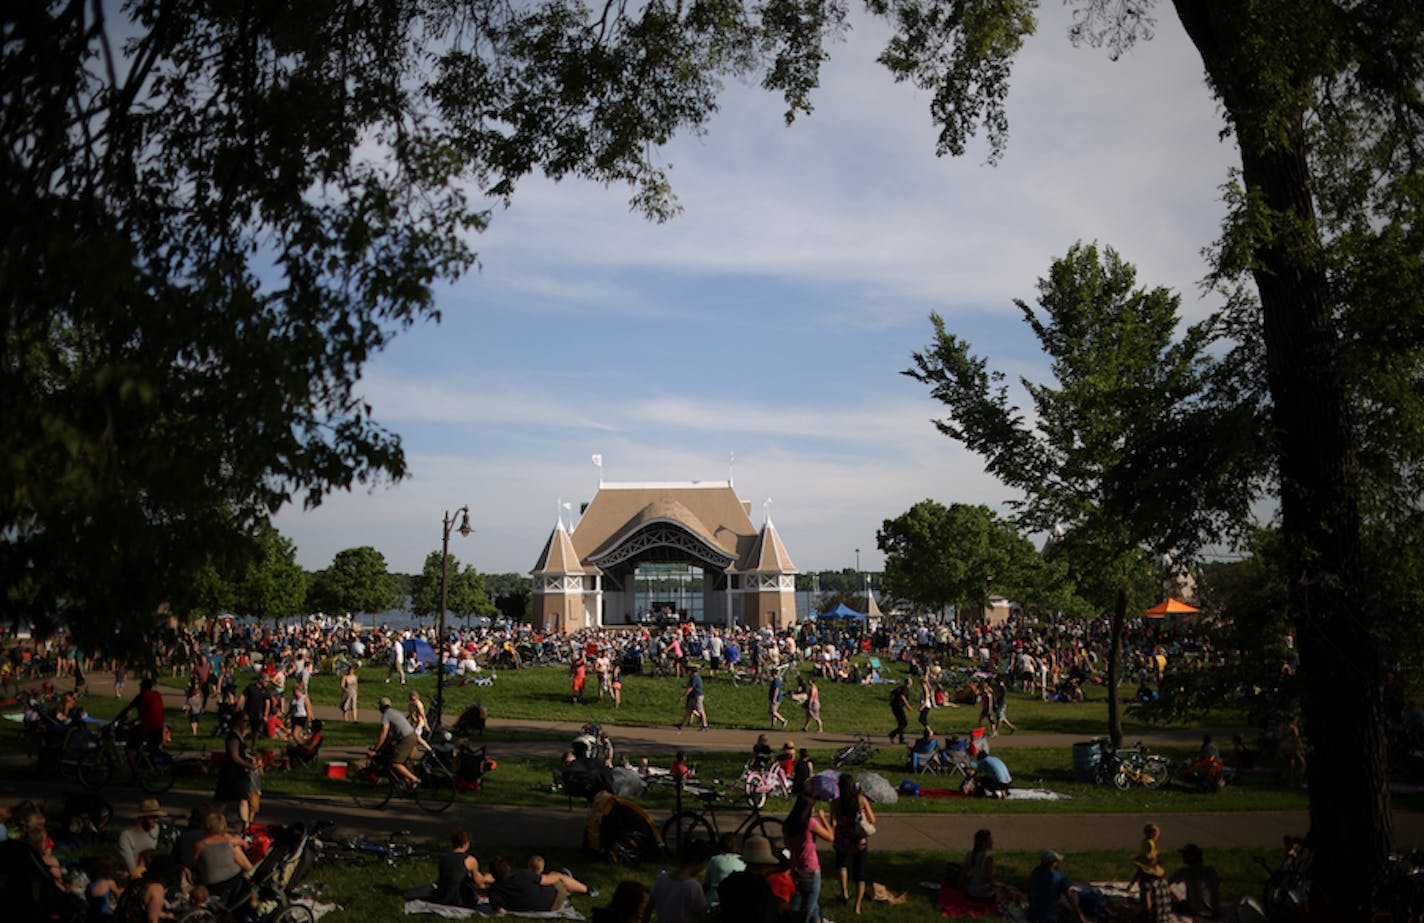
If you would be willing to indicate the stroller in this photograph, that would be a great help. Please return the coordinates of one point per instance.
(620, 831)
(268, 896)
(471, 764)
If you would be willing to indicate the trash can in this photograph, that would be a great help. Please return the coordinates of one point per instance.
(1086, 756)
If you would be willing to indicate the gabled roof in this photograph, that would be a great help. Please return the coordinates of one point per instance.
(710, 510)
(559, 556)
(769, 555)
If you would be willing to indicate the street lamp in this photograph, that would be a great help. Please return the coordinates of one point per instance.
(437, 708)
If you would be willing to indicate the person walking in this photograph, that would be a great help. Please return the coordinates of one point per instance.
(774, 695)
(1001, 708)
(900, 707)
(813, 706)
(348, 693)
(695, 698)
(926, 700)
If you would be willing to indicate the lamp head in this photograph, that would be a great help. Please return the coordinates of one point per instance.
(465, 528)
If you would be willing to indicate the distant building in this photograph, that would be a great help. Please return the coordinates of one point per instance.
(649, 550)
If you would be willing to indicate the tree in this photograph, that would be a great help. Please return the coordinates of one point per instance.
(1133, 447)
(273, 586)
(356, 581)
(937, 556)
(465, 589)
(214, 214)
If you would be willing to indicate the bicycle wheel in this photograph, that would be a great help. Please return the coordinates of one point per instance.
(198, 915)
(685, 827)
(770, 827)
(1157, 771)
(755, 790)
(95, 772)
(293, 913)
(372, 790)
(1121, 780)
(436, 791)
(155, 771)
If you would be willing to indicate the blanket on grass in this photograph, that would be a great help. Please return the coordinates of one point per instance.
(449, 912)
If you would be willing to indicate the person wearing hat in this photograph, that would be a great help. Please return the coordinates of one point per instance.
(142, 835)
(749, 895)
(1048, 891)
(1152, 890)
(1202, 884)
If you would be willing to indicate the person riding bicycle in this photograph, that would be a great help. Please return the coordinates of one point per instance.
(397, 731)
(149, 705)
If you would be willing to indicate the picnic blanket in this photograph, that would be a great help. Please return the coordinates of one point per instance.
(450, 912)
(954, 902)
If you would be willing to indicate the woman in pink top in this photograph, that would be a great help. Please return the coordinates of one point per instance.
(803, 825)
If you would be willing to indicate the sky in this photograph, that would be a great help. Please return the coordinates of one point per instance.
(770, 321)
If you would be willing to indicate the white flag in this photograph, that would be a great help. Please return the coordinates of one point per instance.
(598, 460)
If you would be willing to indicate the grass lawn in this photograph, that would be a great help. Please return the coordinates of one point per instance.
(372, 892)
(541, 693)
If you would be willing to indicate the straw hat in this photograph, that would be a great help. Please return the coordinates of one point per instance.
(756, 850)
(148, 807)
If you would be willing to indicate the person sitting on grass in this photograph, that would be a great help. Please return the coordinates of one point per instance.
(1048, 892)
(526, 890)
(459, 880)
(304, 749)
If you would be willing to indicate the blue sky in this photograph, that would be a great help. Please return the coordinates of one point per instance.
(773, 316)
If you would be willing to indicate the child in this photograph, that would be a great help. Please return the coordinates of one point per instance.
(102, 894)
(1148, 849)
(680, 770)
(536, 864)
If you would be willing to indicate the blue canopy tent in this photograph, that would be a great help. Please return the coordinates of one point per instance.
(419, 651)
(841, 611)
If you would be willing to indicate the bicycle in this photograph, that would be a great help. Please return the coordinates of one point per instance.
(688, 826)
(760, 781)
(855, 754)
(101, 758)
(375, 785)
(391, 850)
(1124, 768)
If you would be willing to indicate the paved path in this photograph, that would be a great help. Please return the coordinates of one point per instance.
(534, 827)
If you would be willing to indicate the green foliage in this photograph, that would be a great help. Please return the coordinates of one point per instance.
(1132, 446)
(957, 555)
(273, 586)
(356, 582)
(465, 589)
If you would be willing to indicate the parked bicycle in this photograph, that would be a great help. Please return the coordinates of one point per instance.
(688, 826)
(761, 781)
(389, 850)
(855, 754)
(378, 782)
(1132, 766)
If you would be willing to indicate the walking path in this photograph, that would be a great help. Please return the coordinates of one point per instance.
(524, 826)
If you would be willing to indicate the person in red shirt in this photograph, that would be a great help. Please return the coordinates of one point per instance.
(151, 725)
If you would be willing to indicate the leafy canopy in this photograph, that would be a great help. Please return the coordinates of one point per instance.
(1135, 443)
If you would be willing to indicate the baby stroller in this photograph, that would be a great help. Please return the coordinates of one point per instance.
(471, 765)
(620, 831)
(267, 897)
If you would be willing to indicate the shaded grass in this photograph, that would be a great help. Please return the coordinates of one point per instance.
(373, 892)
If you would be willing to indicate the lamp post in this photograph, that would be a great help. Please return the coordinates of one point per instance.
(437, 709)
(857, 560)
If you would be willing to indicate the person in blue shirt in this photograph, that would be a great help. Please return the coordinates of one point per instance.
(991, 777)
(1048, 891)
(695, 699)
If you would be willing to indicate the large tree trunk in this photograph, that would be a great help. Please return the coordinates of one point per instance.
(1320, 514)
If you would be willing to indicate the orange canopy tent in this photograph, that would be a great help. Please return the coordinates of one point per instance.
(1169, 606)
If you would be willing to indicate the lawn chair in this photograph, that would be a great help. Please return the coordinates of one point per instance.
(954, 756)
